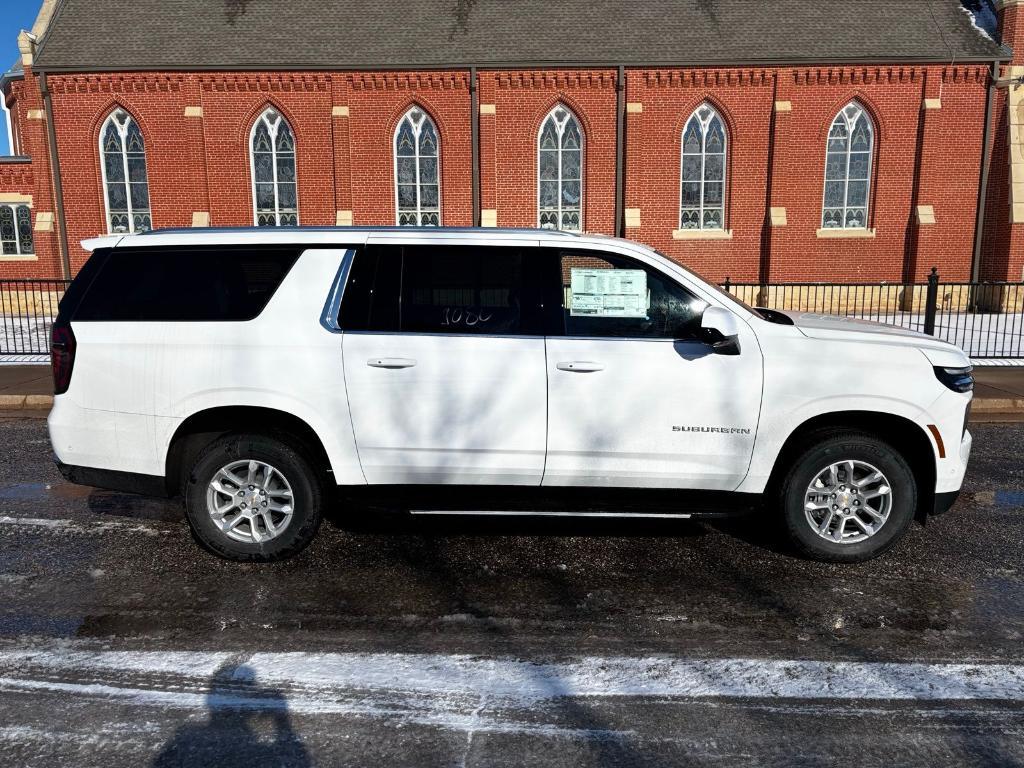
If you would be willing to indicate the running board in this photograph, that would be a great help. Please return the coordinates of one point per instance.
(543, 513)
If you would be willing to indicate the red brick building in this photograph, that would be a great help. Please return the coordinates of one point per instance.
(835, 140)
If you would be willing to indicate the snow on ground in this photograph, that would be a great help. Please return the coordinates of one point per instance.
(21, 335)
(446, 689)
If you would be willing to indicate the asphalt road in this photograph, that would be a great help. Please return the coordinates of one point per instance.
(434, 642)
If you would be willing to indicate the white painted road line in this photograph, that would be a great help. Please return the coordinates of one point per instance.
(523, 683)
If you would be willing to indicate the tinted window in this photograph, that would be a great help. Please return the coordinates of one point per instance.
(462, 290)
(370, 300)
(444, 289)
(80, 285)
(177, 284)
(611, 296)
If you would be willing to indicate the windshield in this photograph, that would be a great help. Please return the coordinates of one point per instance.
(716, 286)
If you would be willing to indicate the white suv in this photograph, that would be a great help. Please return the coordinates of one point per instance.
(265, 374)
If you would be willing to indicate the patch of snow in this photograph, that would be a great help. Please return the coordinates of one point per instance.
(72, 526)
(982, 19)
(25, 335)
(319, 678)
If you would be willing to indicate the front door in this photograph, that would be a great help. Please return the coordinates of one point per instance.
(444, 373)
(635, 396)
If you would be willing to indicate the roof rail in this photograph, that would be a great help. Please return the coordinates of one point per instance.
(392, 228)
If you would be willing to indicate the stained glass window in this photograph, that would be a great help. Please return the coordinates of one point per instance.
(560, 171)
(417, 171)
(123, 167)
(15, 230)
(272, 159)
(848, 154)
(702, 189)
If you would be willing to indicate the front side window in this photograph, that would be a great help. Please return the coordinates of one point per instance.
(560, 171)
(851, 141)
(417, 171)
(16, 230)
(702, 202)
(274, 188)
(604, 295)
(125, 182)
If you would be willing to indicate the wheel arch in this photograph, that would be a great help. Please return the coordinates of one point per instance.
(203, 427)
(903, 434)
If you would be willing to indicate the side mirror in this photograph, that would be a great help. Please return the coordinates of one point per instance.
(721, 330)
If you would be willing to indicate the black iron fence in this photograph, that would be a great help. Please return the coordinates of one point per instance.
(985, 319)
(27, 309)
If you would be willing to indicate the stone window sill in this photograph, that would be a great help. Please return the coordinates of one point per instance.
(19, 257)
(702, 234)
(838, 232)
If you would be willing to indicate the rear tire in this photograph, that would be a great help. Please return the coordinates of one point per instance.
(253, 498)
(848, 497)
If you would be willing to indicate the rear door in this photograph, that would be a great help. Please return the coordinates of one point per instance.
(444, 367)
(635, 396)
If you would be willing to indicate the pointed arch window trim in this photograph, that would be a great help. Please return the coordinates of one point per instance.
(283, 215)
(136, 218)
(420, 214)
(704, 118)
(841, 175)
(561, 209)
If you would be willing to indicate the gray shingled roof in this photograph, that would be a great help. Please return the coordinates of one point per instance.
(343, 34)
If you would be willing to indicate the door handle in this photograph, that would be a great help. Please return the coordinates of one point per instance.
(579, 366)
(390, 362)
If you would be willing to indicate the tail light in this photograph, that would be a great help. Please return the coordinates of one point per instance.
(62, 356)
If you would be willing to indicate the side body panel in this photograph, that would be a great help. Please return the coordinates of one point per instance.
(468, 410)
(807, 377)
(134, 383)
(658, 413)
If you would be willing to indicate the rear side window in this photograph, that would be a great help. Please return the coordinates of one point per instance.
(462, 290)
(444, 289)
(179, 284)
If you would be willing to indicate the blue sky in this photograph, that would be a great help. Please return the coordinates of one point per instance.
(15, 15)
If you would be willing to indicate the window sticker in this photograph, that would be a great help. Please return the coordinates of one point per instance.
(608, 292)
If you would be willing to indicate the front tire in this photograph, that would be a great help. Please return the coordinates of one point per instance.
(253, 498)
(848, 497)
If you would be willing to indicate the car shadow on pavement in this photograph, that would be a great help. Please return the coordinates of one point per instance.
(248, 725)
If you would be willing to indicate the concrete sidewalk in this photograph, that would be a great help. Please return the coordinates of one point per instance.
(996, 390)
(25, 386)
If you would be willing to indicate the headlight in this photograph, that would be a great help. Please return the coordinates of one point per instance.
(957, 379)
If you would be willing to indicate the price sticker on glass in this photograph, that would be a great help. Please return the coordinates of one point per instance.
(608, 293)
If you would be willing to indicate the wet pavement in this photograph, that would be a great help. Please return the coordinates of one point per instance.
(427, 642)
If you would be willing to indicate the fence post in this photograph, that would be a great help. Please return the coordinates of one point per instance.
(727, 286)
(931, 300)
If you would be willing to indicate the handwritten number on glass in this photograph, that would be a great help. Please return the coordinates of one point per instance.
(464, 316)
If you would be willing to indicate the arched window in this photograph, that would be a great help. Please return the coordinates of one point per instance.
(16, 230)
(272, 158)
(123, 166)
(702, 196)
(851, 143)
(560, 171)
(417, 171)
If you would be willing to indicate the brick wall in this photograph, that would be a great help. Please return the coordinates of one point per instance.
(196, 128)
(1003, 242)
(25, 102)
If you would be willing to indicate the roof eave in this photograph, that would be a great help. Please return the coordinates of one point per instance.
(10, 76)
(1004, 54)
